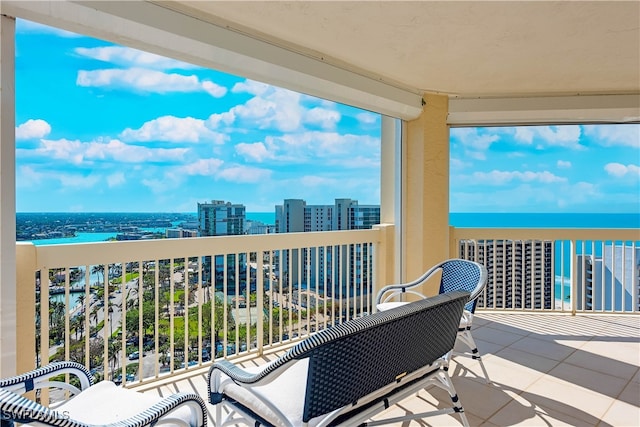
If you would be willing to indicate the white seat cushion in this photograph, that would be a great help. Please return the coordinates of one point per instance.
(106, 402)
(285, 393)
(384, 306)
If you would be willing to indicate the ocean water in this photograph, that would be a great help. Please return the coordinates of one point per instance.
(545, 220)
(268, 218)
(469, 220)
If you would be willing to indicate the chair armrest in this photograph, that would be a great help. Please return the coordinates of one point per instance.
(150, 416)
(39, 378)
(268, 373)
(17, 408)
(243, 377)
(14, 407)
(236, 373)
(391, 291)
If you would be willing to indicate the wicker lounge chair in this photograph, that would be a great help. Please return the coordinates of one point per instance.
(457, 274)
(101, 404)
(348, 373)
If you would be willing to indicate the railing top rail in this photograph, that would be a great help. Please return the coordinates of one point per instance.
(624, 234)
(114, 252)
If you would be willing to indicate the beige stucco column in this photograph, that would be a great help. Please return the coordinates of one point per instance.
(7, 195)
(426, 189)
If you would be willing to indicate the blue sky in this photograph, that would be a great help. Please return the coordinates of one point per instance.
(105, 128)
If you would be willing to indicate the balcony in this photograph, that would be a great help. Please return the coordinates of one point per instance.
(545, 369)
(552, 351)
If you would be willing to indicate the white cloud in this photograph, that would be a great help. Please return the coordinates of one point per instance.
(33, 129)
(615, 135)
(327, 119)
(325, 145)
(524, 134)
(28, 177)
(115, 179)
(71, 151)
(497, 177)
(367, 118)
(77, 152)
(215, 120)
(129, 57)
(473, 139)
(213, 89)
(256, 152)
(567, 136)
(203, 167)
(252, 87)
(563, 136)
(244, 174)
(620, 170)
(274, 108)
(174, 129)
(563, 164)
(78, 181)
(148, 81)
(156, 185)
(317, 181)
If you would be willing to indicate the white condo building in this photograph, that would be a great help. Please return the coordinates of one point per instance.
(610, 279)
(520, 273)
(342, 267)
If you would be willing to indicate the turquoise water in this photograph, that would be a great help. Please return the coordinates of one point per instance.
(88, 237)
(545, 220)
(79, 238)
(519, 220)
(491, 220)
(73, 298)
(268, 218)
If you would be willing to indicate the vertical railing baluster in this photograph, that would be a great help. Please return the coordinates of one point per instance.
(156, 327)
(86, 320)
(141, 326)
(260, 292)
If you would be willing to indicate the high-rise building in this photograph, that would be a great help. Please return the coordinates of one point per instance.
(220, 219)
(345, 214)
(519, 272)
(344, 268)
(609, 280)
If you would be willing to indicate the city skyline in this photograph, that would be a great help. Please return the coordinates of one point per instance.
(111, 129)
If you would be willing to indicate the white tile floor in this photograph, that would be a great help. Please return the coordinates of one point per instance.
(544, 370)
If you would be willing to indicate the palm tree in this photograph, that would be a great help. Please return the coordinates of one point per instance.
(99, 270)
(94, 314)
(114, 349)
(81, 300)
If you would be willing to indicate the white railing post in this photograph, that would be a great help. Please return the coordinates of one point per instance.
(25, 306)
(384, 258)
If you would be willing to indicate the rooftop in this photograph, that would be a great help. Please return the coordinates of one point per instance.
(544, 369)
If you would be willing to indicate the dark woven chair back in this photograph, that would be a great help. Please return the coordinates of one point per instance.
(353, 359)
(461, 275)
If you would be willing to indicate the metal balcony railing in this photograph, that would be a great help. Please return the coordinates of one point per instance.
(566, 270)
(161, 307)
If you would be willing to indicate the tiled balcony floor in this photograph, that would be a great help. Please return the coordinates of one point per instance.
(544, 370)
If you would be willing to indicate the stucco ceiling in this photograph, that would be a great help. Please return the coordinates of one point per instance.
(467, 49)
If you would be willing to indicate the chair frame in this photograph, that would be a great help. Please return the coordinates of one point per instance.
(16, 408)
(356, 369)
(473, 279)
